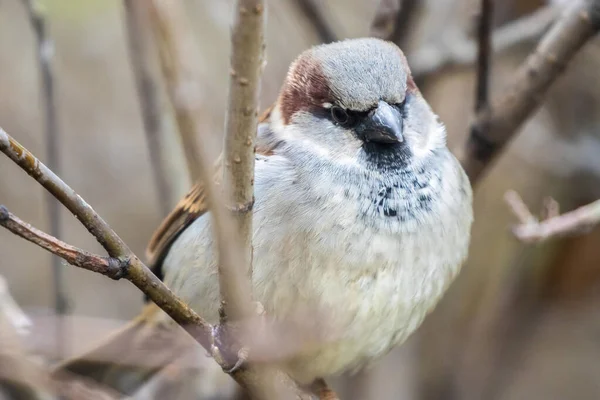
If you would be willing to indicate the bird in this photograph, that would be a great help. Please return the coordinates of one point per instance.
(361, 220)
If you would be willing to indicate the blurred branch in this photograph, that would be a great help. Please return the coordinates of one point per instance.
(314, 14)
(176, 48)
(462, 51)
(45, 52)
(486, 15)
(532, 230)
(148, 97)
(493, 128)
(393, 19)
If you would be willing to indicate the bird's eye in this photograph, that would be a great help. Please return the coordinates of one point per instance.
(339, 115)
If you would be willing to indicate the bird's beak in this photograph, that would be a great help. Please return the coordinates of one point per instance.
(383, 125)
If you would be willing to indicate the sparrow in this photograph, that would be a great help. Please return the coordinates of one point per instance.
(362, 215)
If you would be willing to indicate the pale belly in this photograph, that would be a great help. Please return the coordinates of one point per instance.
(342, 307)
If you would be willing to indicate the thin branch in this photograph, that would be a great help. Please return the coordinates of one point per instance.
(176, 49)
(493, 129)
(45, 52)
(110, 267)
(462, 51)
(486, 17)
(530, 230)
(314, 14)
(148, 96)
(132, 268)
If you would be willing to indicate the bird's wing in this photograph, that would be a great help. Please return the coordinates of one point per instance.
(194, 204)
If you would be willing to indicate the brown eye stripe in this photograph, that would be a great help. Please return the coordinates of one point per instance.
(306, 89)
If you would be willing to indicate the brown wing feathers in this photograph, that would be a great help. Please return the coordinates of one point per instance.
(191, 207)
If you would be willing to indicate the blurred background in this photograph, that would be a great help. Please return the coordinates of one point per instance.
(521, 321)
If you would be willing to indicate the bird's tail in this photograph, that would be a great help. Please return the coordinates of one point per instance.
(129, 358)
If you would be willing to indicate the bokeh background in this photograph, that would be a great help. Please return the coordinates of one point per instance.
(521, 322)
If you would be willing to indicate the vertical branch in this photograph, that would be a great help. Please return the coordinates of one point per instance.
(148, 97)
(45, 50)
(484, 53)
(247, 60)
(313, 12)
(174, 42)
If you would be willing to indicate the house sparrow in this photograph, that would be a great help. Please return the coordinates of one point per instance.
(362, 213)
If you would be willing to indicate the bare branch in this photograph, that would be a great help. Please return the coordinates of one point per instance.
(176, 50)
(45, 52)
(429, 59)
(110, 267)
(148, 97)
(492, 129)
(484, 55)
(134, 270)
(530, 230)
(247, 59)
(312, 12)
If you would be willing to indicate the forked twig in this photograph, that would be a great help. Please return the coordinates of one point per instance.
(531, 230)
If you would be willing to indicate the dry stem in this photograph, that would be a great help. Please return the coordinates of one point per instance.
(493, 128)
(176, 48)
(148, 96)
(484, 54)
(530, 230)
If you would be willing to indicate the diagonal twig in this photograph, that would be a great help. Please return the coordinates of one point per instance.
(493, 128)
(530, 230)
(132, 268)
(393, 20)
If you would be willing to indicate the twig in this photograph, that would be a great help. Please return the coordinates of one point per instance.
(110, 267)
(530, 230)
(148, 97)
(484, 55)
(492, 129)
(312, 12)
(131, 267)
(462, 51)
(45, 52)
(176, 48)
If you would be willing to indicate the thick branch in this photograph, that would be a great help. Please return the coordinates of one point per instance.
(247, 58)
(147, 92)
(313, 13)
(530, 230)
(492, 129)
(135, 271)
